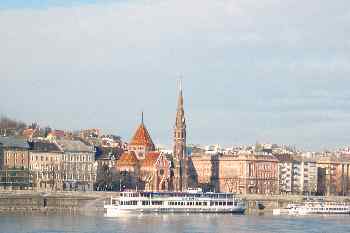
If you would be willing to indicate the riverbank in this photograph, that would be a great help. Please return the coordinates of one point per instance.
(24, 201)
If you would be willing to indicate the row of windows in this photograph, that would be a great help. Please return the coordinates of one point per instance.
(181, 203)
(197, 203)
(128, 203)
(48, 167)
(323, 209)
(79, 158)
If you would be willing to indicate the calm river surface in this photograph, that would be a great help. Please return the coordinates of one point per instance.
(167, 223)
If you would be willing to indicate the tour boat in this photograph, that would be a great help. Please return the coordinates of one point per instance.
(315, 207)
(174, 202)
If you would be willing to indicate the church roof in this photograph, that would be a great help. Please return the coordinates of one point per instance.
(142, 138)
(127, 158)
(150, 159)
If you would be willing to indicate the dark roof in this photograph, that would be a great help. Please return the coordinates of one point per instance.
(44, 146)
(13, 142)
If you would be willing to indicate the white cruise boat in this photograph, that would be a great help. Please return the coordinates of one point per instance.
(174, 202)
(319, 207)
(315, 207)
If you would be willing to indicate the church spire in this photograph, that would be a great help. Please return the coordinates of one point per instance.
(180, 114)
(180, 160)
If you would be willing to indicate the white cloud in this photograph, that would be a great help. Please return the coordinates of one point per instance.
(134, 50)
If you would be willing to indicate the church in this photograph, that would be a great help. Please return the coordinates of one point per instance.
(142, 167)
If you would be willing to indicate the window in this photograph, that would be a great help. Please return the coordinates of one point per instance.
(157, 202)
(145, 202)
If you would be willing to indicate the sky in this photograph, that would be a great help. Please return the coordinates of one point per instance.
(253, 71)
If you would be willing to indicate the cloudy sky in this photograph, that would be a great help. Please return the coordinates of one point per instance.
(269, 71)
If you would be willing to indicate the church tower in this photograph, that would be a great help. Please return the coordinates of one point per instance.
(179, 153)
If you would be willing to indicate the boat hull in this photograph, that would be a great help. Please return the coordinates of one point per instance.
(112, 211)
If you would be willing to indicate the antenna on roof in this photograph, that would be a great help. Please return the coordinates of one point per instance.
(142, 117)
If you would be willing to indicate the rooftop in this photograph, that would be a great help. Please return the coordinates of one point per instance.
(13, 142)
(142, 138)
(74, 146)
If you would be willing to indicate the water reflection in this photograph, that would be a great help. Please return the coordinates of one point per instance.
(169, 223)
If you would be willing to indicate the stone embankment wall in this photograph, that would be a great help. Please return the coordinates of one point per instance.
(52, 202)
(23, 201)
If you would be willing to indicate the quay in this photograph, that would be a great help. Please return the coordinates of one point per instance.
(30, 201)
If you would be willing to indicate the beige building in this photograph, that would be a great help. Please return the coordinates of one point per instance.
(14, 163)
(297, 174)
(78, 165)
(46, 166)
(333, 175)
(245, 173)
(248, 173)
(203, 171)
(14, 153)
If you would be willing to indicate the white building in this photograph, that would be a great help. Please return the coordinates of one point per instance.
(298, 175)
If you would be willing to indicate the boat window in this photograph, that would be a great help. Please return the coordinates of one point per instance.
(204, 203)
(157, 202)
(145, 202)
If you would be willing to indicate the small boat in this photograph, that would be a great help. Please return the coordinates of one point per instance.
(174, 202)
(315, 207)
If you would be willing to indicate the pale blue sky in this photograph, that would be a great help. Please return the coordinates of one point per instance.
(270, 71)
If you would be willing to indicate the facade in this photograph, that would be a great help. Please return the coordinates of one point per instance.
(244, 173)
(180, 159)
(141, 167)
(204, 171)
(248, 173)
(105, 172)
(14, 163)
(333, 176)
(46, 160)
(297, 175)
(78, 165)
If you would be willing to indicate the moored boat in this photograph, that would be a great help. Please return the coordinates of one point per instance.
(174, 202)
(315, 207)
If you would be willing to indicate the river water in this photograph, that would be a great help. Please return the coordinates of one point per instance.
(169, 223)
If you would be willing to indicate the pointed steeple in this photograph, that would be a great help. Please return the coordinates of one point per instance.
(142, 137)
(180, 114)
(179, 153)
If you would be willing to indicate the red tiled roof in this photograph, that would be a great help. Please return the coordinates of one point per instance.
(28, 133)
(150, 159)
(142, 138)
(127, 158)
